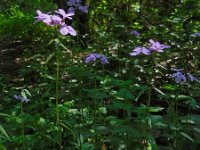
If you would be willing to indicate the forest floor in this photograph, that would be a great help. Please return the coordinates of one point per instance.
(11, 59)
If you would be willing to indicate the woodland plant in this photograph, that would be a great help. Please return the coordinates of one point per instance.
(58, 20)
(144, 112)
(137, 100)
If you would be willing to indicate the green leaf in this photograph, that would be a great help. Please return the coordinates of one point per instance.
(197, 130)
(152, 143)
(155, 109)
(125, 105)
(121, 83)
(169, 87)
(49, 77)
(159, 91)
(27, 92)
(2, 147)
(103, 110)
(103, 130)
(23, 93)
(124, 94)
(140, 94)
(114, 120)
(5, 115)
(3, 131)
(157, 120)
(96, 94)
(66, 127)
(49, 58)
(186, 136)
(193, 103)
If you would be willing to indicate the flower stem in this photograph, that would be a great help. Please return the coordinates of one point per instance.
(57, 92)
(23, 133)
(175, 118)
(95, 107)
(57, 87)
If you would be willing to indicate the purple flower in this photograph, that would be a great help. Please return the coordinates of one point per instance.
(84, 9)
(58, 19)
(197, 34)
(94, 57)
(139, 50)
(103, 60)
(76, 4)
(71, 9)
(64, 15)
(44, 18)
(90, 58)
(65, 29)
(134, 32)
(71, 2)
(21, 98)
(179, 77)
(156, 46)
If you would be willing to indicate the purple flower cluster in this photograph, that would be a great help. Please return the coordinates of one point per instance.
(180, 77)
(21, 98)
(76, 4)
(134, 32)
(57, 19)
(154, 46)
(94, 57)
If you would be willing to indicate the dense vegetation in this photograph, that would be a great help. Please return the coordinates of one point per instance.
(105, 75)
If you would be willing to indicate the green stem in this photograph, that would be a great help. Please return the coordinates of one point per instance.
(175, 118)
(57, 93)
(57, 86)
(81, 113)
(23, 132)
(95, 107)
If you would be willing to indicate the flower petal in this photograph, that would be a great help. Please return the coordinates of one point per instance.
(83, 8)
(64, 30)
(177, 79)
(72, 31)
(145, 51)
